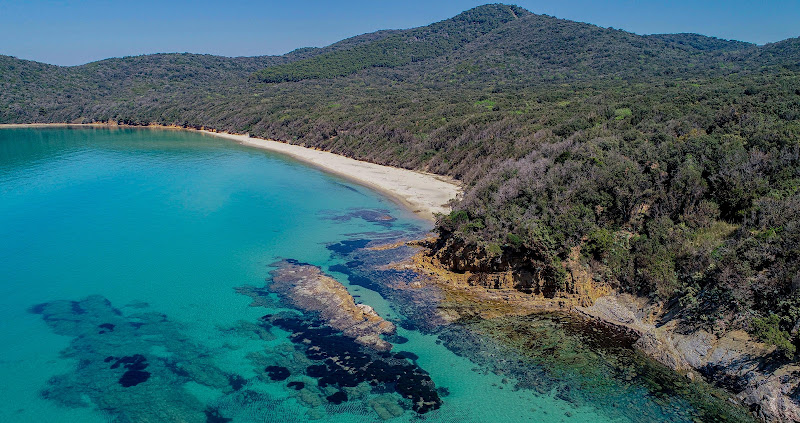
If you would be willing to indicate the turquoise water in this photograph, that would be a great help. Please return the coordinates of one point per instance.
(150, 232)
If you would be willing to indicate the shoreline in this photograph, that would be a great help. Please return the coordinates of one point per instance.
(424, 194)
(743, 367)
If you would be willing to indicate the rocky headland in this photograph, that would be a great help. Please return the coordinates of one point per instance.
(755, 376)
(733, 360)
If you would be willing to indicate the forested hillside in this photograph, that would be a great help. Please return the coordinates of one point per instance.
(668, 165)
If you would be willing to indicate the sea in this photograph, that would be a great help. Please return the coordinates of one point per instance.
(134, 287)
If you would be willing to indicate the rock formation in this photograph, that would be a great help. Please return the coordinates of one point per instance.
(733, 360)
(308, 288)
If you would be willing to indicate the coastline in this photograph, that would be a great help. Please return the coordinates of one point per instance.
(425, 194)
(742, 366)
(769, 394)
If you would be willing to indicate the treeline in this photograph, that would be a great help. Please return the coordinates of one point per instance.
(668, 163)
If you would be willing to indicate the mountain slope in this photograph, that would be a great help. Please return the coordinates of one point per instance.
(785, 53)
(702, 42)
(398, 48)
(542, 48)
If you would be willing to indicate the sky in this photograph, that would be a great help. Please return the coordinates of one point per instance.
(72, 32)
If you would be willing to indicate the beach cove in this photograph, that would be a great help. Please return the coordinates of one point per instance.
(140, 267)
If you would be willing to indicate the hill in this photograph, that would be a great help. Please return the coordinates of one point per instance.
(398, 48)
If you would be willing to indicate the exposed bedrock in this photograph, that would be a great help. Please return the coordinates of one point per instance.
(749, 370)
(306, 287)
(733, 360)
(530, 271)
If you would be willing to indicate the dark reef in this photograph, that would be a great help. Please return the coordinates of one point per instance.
(115, 367)
(337, 398)
(381, 217)
(277, 373)
(348, 246)
(106, 327)
(344, 363)
(135, 365)
(296, 385)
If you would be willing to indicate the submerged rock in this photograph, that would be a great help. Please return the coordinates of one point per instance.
(296, 385)
(337, 398)
(368, 215)
(386, 407)
(135, 365)
(118, 372)
(278, 373)
(343, 363)
(308, 288)
(341, 343)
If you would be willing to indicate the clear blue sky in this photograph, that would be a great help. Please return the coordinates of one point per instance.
(69, 32)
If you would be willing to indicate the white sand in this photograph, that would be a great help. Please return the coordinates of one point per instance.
(423, 193)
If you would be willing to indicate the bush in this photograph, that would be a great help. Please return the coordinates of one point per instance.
(599, 243)
(768, 330)
(514, 240)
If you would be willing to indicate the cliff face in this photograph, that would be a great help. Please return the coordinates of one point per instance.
(522, 269)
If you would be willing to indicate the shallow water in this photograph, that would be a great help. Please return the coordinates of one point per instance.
(122, 251)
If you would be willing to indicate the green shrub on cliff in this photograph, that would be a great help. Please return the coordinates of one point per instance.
(599, 243)
(768, 330)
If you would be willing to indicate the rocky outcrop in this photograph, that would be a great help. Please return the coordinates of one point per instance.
(306, 287)
(732, 360)
(526, 270)
(522, 269)
(496, 286)
(485, 287)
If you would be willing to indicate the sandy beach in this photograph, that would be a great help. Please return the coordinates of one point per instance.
(423, 193)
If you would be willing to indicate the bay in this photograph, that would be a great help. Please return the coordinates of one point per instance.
(128, 249)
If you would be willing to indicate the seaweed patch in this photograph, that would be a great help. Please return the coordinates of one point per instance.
(348, 246)
(378, 216)
(277, 373)
(116, 371)
(337, 398)
(343, 363)
(296, 385)
(106, 327)
(135, 365)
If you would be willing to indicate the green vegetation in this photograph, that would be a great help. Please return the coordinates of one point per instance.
(398, 49)
(620, 114)
(768, 329)
(671, 161)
